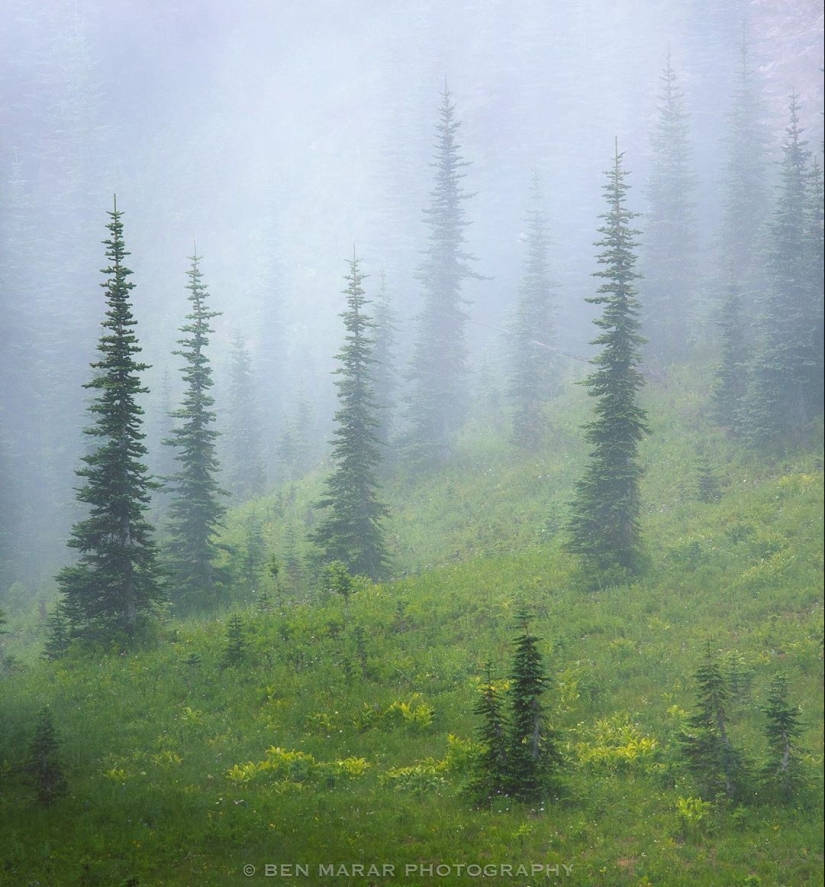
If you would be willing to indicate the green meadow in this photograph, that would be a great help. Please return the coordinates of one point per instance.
(337, 750)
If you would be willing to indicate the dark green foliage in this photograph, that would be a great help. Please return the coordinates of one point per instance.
(707, 483)
(244, 452)
(786, 390)
(195, 512)
(350, 529)
(781, 773)
(250, 556)
(717, 766)
(731, 382)
(490, 775)
(604, 525)
(337, 580)
(533, 756)
(115, 586)
(438, 370)
(58, 638)
(235, 651)
(532, 333)
(670, 244)
(42, 767)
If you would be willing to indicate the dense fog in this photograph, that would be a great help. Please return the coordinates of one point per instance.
(275, 136)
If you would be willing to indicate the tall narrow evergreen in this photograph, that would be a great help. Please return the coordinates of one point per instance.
(532, 332)
(112, 590)
(489, 779)
(533, 757)
(438, 371)
(746, 192)
(731, 383)
(196, 510)
(350, 530)
(383, 353)
(670, 246)
(604, 525)
(782, 773)
(716, 764)
(43, 768)
(244, 451)
(787, 373)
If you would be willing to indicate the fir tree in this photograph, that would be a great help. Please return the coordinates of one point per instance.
(670, 248)
(782, 773)
(489, 778)
(245, 465)
(716, 764)
(532, 333)
(533, 757)
(114, 587)
(195, 512)
(604, 525)
(786, 378)
(746, 197)
(731, 382)
(236, 643)
(350, 530)
(383, 354)
(58, 637)
(295, 452)
(42, 767)
(438, 369)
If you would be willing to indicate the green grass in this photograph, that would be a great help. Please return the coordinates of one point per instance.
(166, 751)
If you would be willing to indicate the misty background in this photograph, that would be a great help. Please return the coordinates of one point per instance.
(277, 135)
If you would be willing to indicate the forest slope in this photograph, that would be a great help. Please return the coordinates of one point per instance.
(341, 735)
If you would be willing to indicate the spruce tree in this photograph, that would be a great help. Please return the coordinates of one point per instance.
(196, 511)
(730, 388)
(113, 589)
(235, 650)
(670, 246)
(533, 756)
(781, 773)
(786, 378)
(42, 768)
(532, 333)
(489, 779)
(58, 638)
(350, 530)
(604, 525)
(246, 477)
(383, 353)
(746, 193)
(716, 764)
(438, 369)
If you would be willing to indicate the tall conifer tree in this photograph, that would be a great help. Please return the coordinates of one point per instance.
(111, 591)
(787, 374)
(731, 383)
(244, 451)
(533, 757)
(438, 372)
(196, 510)
(385, 382)
(746, 192)
(670, 247)
(350, 532)
(604, 526)
(532, 332)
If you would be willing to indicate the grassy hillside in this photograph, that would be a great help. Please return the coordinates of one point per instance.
(343, 738)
